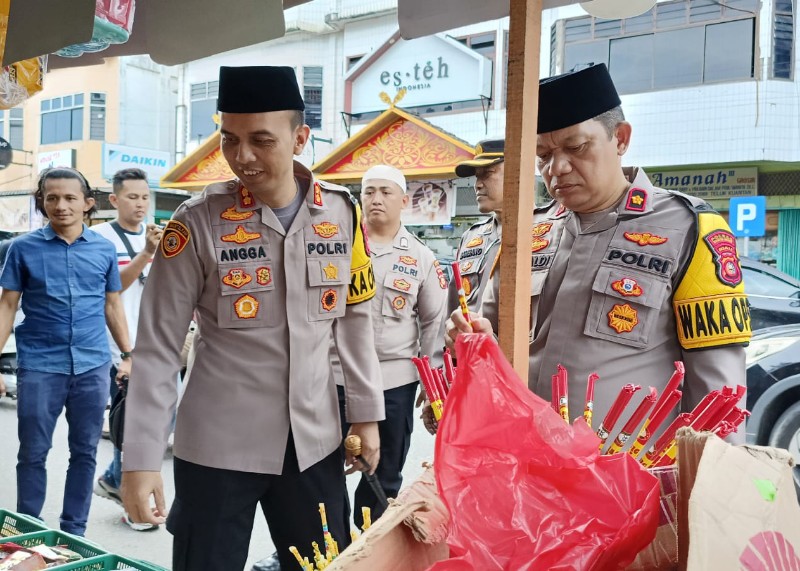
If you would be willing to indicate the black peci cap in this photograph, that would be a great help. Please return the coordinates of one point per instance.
(572, 98)
(258, 89)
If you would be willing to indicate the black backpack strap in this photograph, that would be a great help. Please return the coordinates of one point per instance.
(125, 242)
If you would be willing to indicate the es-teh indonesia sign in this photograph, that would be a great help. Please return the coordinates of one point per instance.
(433, 70)
(710, 184)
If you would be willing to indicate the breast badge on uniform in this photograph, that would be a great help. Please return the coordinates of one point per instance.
(241, 236)
(234, 215)
(245, 198)
(329, 299)
(474, 242)
(237, 278)
(263, 275)
(645, 238)
(637, 200)
(325, 229)
(399, 302)
(331, 271)
(723, 249)
(627, 287)
(408, 260)
(622, 318)
(467, 285)
(246, 307)
(465, 267)
(174, 239)
(402, 284)
(537, 242)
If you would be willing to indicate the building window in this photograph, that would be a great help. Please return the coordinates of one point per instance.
(15, 128)
(203, 108)
(783, 40)
(353, 60)
(312, 95)
(97, 116)
(62, 119)
(675, 44)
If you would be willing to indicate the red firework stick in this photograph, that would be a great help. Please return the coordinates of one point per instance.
(728, 400)
(622, 400)
(737, 415)
(666, 440)
(638, 416)
(449, 368)
(563, 393)
(655, 421)
(442, 382)
(554, 393)
(430, 388)
(462, 295)
(434, 378)
(423, 377)
(673, 384)
(702, 416)
(588, 407)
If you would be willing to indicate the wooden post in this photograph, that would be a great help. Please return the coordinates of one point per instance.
(520, 180)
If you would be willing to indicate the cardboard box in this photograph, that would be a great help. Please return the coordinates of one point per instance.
(409, 536)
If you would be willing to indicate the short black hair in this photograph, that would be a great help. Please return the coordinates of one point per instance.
(60, 173)
(121, 176)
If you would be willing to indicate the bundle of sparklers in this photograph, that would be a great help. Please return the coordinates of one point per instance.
(717, 412)
(436, 381)
(321, 561)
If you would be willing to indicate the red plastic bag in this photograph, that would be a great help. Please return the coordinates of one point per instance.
(525, 490)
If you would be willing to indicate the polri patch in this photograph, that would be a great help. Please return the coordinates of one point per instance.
(637, 200)
(329, 299)
(237, 278)
(325, 229)
(173, 241)
(408, 260)
(644, 238)
(402, 284)
(234, 215)
(627, 287)
(622, 318)
(723, 249)
(246, 307)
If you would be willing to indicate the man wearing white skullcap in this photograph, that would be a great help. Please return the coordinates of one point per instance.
(408, 313)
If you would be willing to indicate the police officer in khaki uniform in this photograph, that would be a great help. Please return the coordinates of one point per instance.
(626, 278)
(408, 315)
(268, 263)
(481, 242)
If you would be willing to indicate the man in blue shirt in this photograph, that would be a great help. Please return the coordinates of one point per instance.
(68, 281)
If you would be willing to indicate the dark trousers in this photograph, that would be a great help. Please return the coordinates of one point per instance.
(212, 516)
(41, 398)
(395, 433)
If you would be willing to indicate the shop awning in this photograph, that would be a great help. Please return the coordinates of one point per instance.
(203, 166)
(399, 139)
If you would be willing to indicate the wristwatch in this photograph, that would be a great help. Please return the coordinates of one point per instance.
(125, 355)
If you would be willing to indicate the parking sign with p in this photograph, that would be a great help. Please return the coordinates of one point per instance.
(748, 216)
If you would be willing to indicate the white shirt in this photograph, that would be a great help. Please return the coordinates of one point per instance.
(131, 297)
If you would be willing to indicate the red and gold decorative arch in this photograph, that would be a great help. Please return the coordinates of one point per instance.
(399, 139)
(203, 166)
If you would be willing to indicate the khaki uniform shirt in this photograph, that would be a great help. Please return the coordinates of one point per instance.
(409, 307)
(476, 254)
(266, 301)
(603, 300)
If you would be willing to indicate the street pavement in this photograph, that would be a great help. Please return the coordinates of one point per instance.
(105, 526)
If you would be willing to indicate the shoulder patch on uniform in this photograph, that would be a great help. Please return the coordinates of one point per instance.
(636, 200)
(711, 308)
(175, 238)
